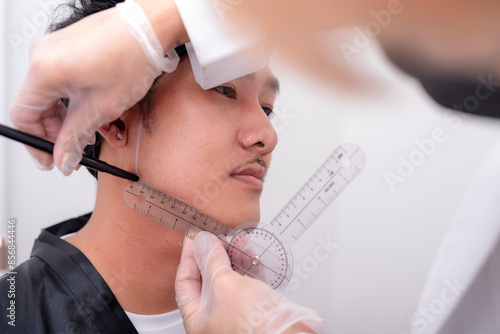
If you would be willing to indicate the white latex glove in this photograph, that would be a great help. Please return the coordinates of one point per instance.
(100, 67)
(223, 301)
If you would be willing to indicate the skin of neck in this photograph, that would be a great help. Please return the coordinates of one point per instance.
(136, 256)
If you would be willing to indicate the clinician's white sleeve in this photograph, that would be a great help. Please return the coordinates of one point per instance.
(216, 52)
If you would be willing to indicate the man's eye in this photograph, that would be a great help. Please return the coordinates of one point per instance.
(268, 111)
(225, 90)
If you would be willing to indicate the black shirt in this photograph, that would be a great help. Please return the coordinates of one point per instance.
(58, 290)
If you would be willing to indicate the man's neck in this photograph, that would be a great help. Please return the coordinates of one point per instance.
(136, 256)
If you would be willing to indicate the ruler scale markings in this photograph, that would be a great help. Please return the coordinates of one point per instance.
(339, 175)
(301, 211)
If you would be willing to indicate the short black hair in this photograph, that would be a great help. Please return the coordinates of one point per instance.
(79, 9)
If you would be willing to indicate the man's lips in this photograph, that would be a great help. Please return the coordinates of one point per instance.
(252, 175)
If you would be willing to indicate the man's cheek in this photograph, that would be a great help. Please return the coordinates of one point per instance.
(211, 187)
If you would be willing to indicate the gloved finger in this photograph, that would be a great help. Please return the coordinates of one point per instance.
(51, 123)
(77, 131)
(210, 255)
(68, 150)
(239, 257)
(44, 123)
(218, 278)
(38, 98)
(187, 281)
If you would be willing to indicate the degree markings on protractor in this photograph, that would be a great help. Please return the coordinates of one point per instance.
(265, 258)
(341, 167)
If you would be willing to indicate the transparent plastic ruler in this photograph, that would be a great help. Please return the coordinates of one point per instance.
(259, 250)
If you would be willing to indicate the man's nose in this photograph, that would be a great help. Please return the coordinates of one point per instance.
(257, 132)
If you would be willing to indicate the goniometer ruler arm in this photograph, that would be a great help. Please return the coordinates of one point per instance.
(322, 188)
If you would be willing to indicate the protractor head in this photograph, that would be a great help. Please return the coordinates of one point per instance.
(256, 252)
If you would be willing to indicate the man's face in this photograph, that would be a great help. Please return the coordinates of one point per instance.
(211, 148)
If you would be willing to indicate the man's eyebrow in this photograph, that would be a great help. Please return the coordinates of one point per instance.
(271, 82)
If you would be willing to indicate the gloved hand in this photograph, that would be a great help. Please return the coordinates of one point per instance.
(223, 301)
(100, 67)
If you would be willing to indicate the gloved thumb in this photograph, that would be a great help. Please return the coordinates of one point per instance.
(187, 281)
(210, 255)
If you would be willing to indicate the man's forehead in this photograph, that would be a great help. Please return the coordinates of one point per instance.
(271, 82)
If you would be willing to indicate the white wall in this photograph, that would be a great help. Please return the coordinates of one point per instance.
(3, 106)
(387, 238)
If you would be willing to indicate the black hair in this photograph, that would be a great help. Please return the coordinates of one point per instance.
(79, 9)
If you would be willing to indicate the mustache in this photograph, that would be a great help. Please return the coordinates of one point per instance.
(256, 160)
(260, 162)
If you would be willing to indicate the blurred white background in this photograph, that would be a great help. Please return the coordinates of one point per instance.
(387, 237)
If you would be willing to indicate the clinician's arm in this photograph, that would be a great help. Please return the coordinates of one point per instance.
(223, 301)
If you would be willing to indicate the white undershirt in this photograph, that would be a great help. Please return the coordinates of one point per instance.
(165, 323)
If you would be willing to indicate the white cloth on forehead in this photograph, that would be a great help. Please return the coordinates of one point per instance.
(218, 53)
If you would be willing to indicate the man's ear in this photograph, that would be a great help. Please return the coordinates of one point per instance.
(115, 133)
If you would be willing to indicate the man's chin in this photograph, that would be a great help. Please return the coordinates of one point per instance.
(238, 220)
